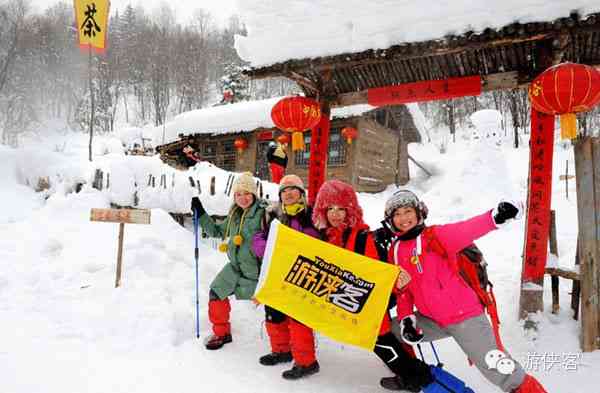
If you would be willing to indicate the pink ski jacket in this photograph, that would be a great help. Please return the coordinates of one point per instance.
(436, 289)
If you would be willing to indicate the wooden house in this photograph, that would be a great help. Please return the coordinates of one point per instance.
(376, 158)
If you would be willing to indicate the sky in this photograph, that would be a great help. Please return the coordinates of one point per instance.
(220, 9)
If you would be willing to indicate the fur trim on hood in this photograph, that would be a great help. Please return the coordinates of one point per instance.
(337, 193)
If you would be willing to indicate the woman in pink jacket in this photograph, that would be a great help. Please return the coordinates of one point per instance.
(446, 305)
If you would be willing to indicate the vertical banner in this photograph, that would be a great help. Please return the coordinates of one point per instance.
(319, 147)
(91, 17)
(540, 192)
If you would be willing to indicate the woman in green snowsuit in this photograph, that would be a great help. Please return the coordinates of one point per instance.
(240, 275)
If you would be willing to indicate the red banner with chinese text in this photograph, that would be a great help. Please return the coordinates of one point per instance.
(537, 228)
(265, 136)
(319, 146)
(425, 91)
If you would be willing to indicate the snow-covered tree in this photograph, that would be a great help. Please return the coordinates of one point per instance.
(234, 85)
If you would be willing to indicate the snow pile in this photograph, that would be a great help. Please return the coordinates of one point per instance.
(303, 29)
(488, 122)
(148, 183)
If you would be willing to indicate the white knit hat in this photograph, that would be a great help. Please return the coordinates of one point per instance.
(245, 182)
(405, 198)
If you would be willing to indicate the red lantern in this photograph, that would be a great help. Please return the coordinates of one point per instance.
(350, 133)
(564, 90)
(284, 139)
(296, 115)
(240, 144)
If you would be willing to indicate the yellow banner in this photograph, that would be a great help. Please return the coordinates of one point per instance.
(92, 23)
(339, 293)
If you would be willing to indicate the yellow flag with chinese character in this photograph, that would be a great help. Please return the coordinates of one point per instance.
(336, 292)
(91, 17)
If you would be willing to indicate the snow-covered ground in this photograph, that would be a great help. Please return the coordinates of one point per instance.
(66, 329)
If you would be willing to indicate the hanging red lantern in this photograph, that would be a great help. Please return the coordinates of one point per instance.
(284, 139)
(296, 115)
(240, 144)
(350, 134)
(564, 90)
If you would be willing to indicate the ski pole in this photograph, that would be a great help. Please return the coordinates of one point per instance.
(195, 222)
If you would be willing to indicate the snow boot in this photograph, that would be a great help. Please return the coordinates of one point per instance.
(274, 358)
(297, 371)
(397, 383)
(213, 342)
(530, 385)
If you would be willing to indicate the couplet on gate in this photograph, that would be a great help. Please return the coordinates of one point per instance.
(122, 216)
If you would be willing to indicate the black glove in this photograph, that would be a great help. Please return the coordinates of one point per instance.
(505, 211)
(197, 207)
(409, 332)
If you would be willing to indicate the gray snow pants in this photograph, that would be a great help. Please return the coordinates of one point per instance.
(476, 338)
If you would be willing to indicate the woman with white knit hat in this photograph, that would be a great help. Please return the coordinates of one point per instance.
(239, 276)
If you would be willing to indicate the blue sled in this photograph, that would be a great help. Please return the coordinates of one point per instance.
(445, 383)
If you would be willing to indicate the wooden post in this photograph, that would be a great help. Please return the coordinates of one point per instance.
(122, 216)
(98, 180)
(92, 103)
(554, 250)
(576, 289)
(119, 254)
(587, 169)
(567, 179)
(537, 225)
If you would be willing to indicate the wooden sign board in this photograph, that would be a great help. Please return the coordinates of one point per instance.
(125, 216)
(122, 217)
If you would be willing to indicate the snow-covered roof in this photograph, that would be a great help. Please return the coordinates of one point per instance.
(284, 30)
(239, 117)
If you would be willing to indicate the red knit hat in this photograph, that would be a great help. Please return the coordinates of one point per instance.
(337, 193)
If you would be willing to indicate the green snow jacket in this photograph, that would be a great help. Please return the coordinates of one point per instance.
(240, 275)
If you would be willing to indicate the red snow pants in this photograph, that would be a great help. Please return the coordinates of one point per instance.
(291, 335)
(277, 172)
(218, 314)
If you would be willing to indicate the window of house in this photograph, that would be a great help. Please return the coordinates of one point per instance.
(228, 155)
(209, 151)
(337, 150)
